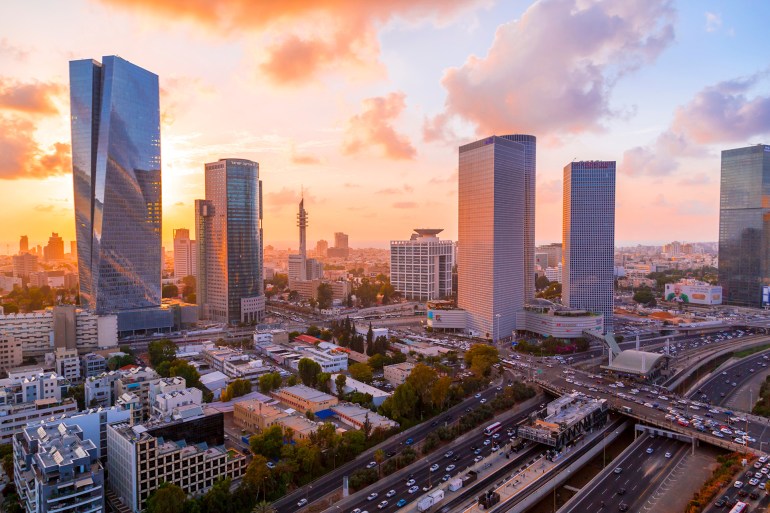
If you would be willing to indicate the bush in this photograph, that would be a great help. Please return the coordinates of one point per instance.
(729, 465)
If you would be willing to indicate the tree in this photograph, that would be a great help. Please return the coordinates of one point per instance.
(542, 282)
(292, 380)
(116, 362)
(161, 351)
(190, 284)
(439, 392)
(308, 371)
(183, 369)
(237, 388)
(377, 361)
(644, 296)
(325, 295)
(264, 507)
(78, 393)
(168, 498)
(401, 404)
(322, 381)
(268, 443)
(361, 372)
(269, 382)
(339, 382)
(218, 498)
(379, 457)
(170, 290)
(422, 379)
(480, 358)
(293, 295)
(280, 281)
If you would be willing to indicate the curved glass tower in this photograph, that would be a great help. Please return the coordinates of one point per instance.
(115, 117)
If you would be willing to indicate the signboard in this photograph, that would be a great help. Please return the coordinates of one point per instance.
(699, 294)
(765, 295)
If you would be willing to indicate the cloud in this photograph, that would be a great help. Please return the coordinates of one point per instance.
(287, 196)
(44, 208)
(713, 22)
(305, 37)
(22, 157)
(643, 160)
(179, 204)
(15, 52)
(350, 185)
(550, 191)
(450, 178)
(553, 71)
(695, 180)
(396, 190)
(304, 159)
(31, 98)
(373, 127)
(405, 204)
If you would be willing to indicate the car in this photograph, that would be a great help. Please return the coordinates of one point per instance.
(622, 506)
(409, 441)
(410, 482)
(477, 452)
(427, 488)
(742, 493)
(765, 470)
(371, 464)
(495, 448)
(618, 470)
(450, 468)
(413, 489)
(357, 510)
(478, 459)
(477, 396)
(448, 454)
(738, 484)
(496, 436)
(758, 475)
(487, 441)
(301, 503)
(753, 481)
(390, 494)
(754, 495)
(401, 503)
(270, 465)
(382, 505)
(668, 455)
(456, 458)
(434, 467)
(649, 450)
(446, 478)
(720, 503)
(390, 454)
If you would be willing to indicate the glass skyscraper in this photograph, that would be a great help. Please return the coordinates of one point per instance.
(744, 225)
(492, 228)
(115, 117)
(588, 244)
(228, 229)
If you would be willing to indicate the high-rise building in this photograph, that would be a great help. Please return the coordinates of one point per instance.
(115, 114)
(302, 225)
(320, 248)
(744, 225)
(421, 268)
(24, 264)
(23, 244)
(341, 248)
(55, 248)
(491, 259)
(229, 236)
(588, 242)
(74, 248)
(185, 254)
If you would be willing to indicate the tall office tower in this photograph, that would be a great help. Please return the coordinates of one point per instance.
(421, 267)
(491, 261)
(24, 244)
(341, 240)
(55, 248)
(530, 166)
(744, 225)
(302, 224)
(320, 248)
(228, 230)
(185, 254)
(588, 243)
(116, 173)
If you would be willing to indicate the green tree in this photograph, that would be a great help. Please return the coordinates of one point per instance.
(542, 282)
(401, 405)
(644, 295)
(168, 498)
(439, 392)
(324, 295)
(269, 382)
(268, 443)
(280, 281)
(78, 393)
(422, 379)
(378, 361)
(191, 376)
(480, 358)
(190, 283)
(322, 381)
(218, 498)
(339, 382)
(170, 290)
(293, 380)
(161, 351)
(237, 388)
(361, 372)
(313, 331)
(308, 371)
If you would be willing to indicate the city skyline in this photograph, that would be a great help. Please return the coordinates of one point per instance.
(396, 101)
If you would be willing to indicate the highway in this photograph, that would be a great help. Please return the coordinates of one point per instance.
(640, 475)
(333, 480)
(718, 389)
(743, 494)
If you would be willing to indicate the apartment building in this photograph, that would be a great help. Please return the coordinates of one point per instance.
(10, 352)
(303, 398)
(397, 373)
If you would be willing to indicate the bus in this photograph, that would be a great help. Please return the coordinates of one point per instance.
(740, 507)
(492, 428)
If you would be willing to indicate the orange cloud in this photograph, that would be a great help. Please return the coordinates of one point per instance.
(309, 35)
(298, 158)
(33, 97)
(373, 127)
(553, 70)
(22, 157)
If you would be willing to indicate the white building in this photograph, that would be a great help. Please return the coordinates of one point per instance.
(168, 403)
(552, 320)
(554, 273)
(353, 385)
(421, 268)
(99, 390)
(92, 364)
(67, 363)
(185, 254)
(397, 373)
(357, 416)
(330, 360)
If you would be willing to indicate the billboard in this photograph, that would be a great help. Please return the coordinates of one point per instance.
(765, 295)
(699, 294)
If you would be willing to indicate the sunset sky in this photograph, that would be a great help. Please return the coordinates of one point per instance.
(364, 103)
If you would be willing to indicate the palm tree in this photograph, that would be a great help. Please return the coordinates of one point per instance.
(263, 507)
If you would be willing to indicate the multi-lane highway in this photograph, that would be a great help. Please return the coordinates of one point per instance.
(627, 483)
(750, 492)
(719, 388)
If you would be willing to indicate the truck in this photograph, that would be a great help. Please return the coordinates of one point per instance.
(430, 500)
(470, 477)
(455, 484)
(489, 499)
(245, 439)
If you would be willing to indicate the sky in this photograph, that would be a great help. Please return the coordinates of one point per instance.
(363, 105)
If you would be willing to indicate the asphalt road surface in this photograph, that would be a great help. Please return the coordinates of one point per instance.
(718, 389)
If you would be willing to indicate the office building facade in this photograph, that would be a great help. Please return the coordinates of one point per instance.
(54, 250)
(421, 268)
(491, 260)
(116, 170)
(588, 238)
(229, 237)
(185, 254)
(744, 226)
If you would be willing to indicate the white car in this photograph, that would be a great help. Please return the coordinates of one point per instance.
(382, 505)
(434, 467)
(753, 481)
(301, 503)
(410, 482)
(483, 401)
(414, 489)
(450, 468)
(649, 450)
(478, 458)
(487, 441)
(372, 496)
(390, 494)
(668, 455)
(371, 464)
(738, 484)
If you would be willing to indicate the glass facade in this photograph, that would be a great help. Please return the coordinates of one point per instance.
(115, 120)
(744, 225)
(491, 231)
(588, 245)
(229, 234)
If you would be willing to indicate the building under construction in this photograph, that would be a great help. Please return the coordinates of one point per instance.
(566, 418)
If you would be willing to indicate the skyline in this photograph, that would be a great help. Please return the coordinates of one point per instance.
(394, 89)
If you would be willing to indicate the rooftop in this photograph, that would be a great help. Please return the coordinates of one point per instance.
(306, 393)
(635, 362)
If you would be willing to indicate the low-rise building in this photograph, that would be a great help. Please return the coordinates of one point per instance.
(353, 385)
(444, 316)
(357, 416)
(303, 398)
(56, 470)
(167, 404)
(14, 417)
(10, 352)
(330, 360)
(397, 373)
(255, 416)
(137, 381)
(551, 320)
(301, 427)
(67, 363)
(100, 390)
(92, 364)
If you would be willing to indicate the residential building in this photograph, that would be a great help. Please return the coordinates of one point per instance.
(137, 380)
(10, 352)
(320, 248)
(116, 172)
(341, 248)
(589, 238)
(185, 254)
(494, 270)
(54, 250)
(29, 395)
(303, 398)
(92, 365)
(256, 416)
(357, 416)
(24, 264)
(169, 404)
(8, 283)
(189, 453)
(554, 273)
(229, 234)
(330, 360)
(552, 252)
(56, 469)
(235, 364)
(397, 373)
(309, 288)
(421, 267)
(744, 226)
(353, 385)
(99, 390)
(67, 363)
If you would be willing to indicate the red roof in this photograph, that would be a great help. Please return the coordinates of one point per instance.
(308, 339)
(129, 367)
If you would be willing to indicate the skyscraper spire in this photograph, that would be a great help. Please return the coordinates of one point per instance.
(302, 224)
